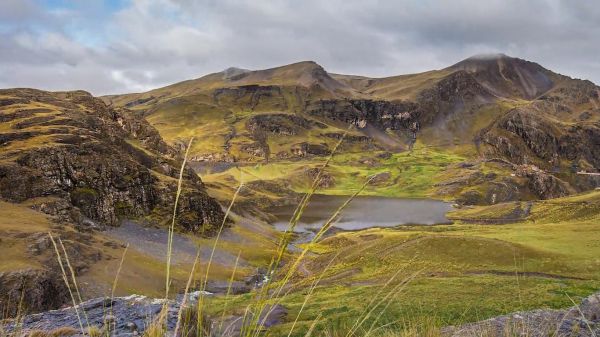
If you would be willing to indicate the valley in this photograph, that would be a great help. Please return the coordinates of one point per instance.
(465, 196)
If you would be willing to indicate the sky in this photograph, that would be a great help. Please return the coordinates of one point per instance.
(121, 46)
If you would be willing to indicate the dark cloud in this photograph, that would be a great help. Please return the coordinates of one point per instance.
(145, 44)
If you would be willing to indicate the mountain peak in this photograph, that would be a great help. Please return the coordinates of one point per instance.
(507, 76)
(304, 73)
(232, 72)
(489, 56)
(301, 66)
(485, 60)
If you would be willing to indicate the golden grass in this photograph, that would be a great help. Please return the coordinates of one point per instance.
(17, 217)
(399, 244)
(66, 280)
(58, 332)
(172, 228)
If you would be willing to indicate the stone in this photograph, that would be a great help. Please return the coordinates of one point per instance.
(39, 290)
(131, 326)
(571, 322)
(381, 178)
(131, 315)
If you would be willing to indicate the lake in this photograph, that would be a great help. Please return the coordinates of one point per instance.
(364, 212)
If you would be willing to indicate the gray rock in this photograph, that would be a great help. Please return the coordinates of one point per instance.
(132, 315)
(39, 290)
(580, 321)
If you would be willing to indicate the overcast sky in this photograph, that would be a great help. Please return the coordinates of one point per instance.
(118, 46)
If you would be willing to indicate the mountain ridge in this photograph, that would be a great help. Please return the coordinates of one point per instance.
(493, 135)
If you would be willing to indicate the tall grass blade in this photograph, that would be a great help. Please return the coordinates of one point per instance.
(172, 228)
(114, 285)
(66, 280)
(313, 325)
(582, 315)
(310, 291)
(262, 296)
(74, 280)
(185, 293)
(226, 305)
(212, 254)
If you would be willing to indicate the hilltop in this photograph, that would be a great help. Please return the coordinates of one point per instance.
(487, 108)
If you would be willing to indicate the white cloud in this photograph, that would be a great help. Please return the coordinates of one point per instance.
(153, 43)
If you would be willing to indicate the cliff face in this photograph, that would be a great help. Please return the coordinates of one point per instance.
(38, 290)
(105, 163)
(360, 112)
(535, 136)
(81, 162)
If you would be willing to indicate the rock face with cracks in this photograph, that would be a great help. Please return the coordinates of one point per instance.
(69, 155)
(106, 163)
(133, 314)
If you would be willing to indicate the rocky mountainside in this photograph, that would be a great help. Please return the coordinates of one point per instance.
(487, 108)
(100, 163)
(505, 76)
(71, 165)
(486, 130)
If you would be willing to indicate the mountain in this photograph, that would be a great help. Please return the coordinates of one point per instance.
(489, 131)
(71, 165)
(486, 107)
(505, 76)
(92, 163)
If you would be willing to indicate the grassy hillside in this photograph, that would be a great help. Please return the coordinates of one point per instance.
(454, 274)
(291, 117)
(502, 138)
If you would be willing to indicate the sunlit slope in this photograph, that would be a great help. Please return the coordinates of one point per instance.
(230, 112)
(452, 274)
(484, 108)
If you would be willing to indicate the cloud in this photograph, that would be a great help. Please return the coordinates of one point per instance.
(143, 44)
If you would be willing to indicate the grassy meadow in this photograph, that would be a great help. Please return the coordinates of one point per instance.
(403, 281)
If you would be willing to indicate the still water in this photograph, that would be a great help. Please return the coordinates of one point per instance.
(364, 212)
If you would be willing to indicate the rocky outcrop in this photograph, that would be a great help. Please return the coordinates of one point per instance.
(580, 321)
(454, 93)
(530, 138)
(107, 164)
(572, 93)
(132, 315)
(136, 126)
(529, 133)
(281, 124)
(326, 180)
(251, 96)
(361, 112)
(381, 179)
(305, 149)
(544, 185)
(31, 290)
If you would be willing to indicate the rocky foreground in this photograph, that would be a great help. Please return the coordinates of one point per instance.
(581, 321)
(132, 315)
